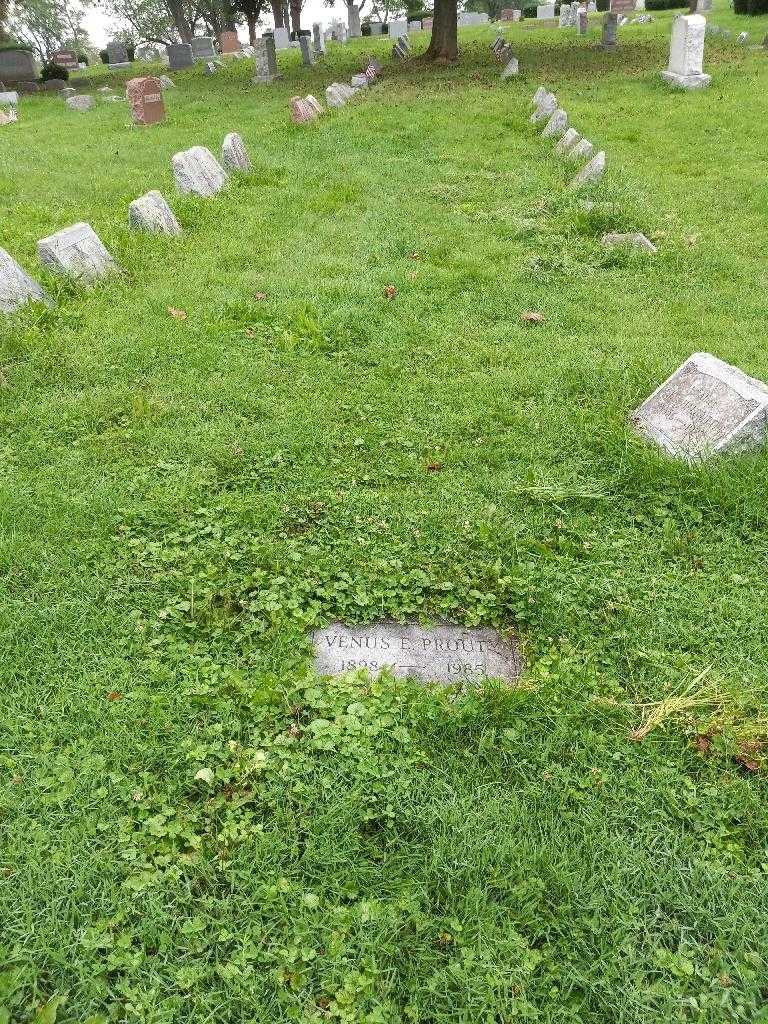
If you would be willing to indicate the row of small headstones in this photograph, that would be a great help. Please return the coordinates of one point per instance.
(77, 251)
(569, 143)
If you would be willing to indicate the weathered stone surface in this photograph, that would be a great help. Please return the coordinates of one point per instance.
(634, 239)
(198, 172)
(512, 67)
(359, 81)
(282, 38)
(397, 29)
(27, 88)
(314, 104)
(54, 85)
(81, 103)
(306, 51)
(581, 151)
(686, 53)
(705, 407)
(145, 98)
(742, 38)
(338, 93)
(556, 125)
(179, 56)
(117, 55)
(203, 48)
(582, 22)
(507, 14)
(152, 213)
(441, 654)
(76, 251)
(545, 12)
(539, 95)
(229, 42)
(318, 39)
(65, 93)
(301, 112)
(565, 16)
(265, 61)
(590, 172)
(546, 108)
(10, 98)
(610, 31)
(166, 82)
(234, 155)
(567, 142)
(65, 59)
(16, 286)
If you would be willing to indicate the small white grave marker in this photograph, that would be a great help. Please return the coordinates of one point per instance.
(76, 251)
(234, 155)
(704, 408)
(686, 53)
(198, 172)
(152, 213)
(16, 286)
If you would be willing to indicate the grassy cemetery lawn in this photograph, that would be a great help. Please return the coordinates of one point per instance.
(249, 433)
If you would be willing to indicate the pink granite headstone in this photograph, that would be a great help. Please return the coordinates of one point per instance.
(229, 42)
(301, 112)
(145, 98)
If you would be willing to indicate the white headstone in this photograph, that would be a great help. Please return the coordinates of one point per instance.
(590, 172)
(10, 99)
(545, 12)
(397, 29)
(512, 68)
(632, 239)
(282, 38)
(234, 155)
(152, 213)
(705, 407)
(16, 286)
(198, 172)
(76, 251)
(547, 106)
(686, 53)
(583, 150)
(166, 82)
(556, 125)
(565, 16)
(567, 142)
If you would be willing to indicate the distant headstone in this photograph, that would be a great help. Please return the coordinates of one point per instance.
(282, 38)
(306, 51)
(565, 16)
(229, 42)
(76, 251)
(704, 408)
(414, 26)
(179, 56)
(166, 82)
(686, 53)
(590, 172)
(582, 24)
(567, 142)
(234, 155)
(742, 38)
(198, 172)
(265, 60)
(375, 27)
(17, 66)
(81, 103)
(318, 40)
(440, 654)
(359, 81)
(545, 12)
(152, 213)
(66, 59)
(117, 56)
(610, 32)
(301, 111)
(203, 48)
(703, 6)
(583, 150)
(426, 24)
(556, 125)
(632, 239)
(398, 29)
(545, 109)
(145, 98)
(620, 7)
(507, 14)
(353, 21)
(16, 286)
(54, 85)
(10, 98)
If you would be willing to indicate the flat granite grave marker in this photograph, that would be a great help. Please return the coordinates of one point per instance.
(234, 155)
(151, 213)
(16, 286)
(441, 654)
(145, 98)
(705, 407)
(198, 172)
(76, 251)
(179, 56)
(81, 103)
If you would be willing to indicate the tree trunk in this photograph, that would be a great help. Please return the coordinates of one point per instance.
(277, 13)
(295, 8)
(444, 44)
(176, 10)
(251, 19)
(4, 11)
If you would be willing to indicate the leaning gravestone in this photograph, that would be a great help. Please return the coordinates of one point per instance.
(306, 51)
(590, 172)
(145, 98)
(152, 213)
(265, 60)
(704, 408)
(686, 53)
(76, 251)
(179, 56)
(203, 48)
(198, 172)
(16, 286)
(117, 56)
(442, 654)
(234, 155)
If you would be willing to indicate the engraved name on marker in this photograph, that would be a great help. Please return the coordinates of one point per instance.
(443, 653)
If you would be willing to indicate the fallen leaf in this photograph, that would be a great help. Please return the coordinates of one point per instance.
(703, 744)
(747, 762)
(205, 775)
(114, 695)
(177, 314)
(434, 467)
(413, 275)
(249, 333)
(259, 296)
(390, 291)
(415, 256)
(531, 316)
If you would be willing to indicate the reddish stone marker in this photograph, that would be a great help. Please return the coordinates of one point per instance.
(65, 59)
(229, 42)
(145, 97)
(622, 6)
